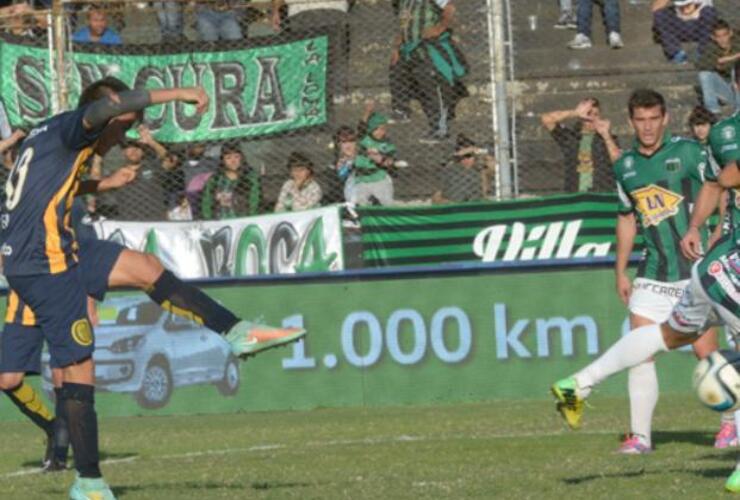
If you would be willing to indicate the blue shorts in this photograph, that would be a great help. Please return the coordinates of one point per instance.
(20, 348)
(59, 303)
(97, 258)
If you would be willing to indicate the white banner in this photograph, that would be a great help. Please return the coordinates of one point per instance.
(308, 241)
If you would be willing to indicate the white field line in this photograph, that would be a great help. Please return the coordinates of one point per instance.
(329, 443)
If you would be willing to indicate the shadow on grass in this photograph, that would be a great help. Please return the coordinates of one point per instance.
(35, 464)
(572, 481)
(121, 491)
(702, 438)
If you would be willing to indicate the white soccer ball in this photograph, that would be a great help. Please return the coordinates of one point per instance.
(717, 382)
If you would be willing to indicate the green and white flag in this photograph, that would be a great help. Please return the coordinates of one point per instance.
(254, 92)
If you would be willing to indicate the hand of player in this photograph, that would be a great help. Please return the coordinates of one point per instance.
(196, 96)
(624, 288)
(119, 178)
(275, 21)
(18, 134)
(691, 244)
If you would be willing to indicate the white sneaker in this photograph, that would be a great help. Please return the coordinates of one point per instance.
(580, 41)
(615, 40)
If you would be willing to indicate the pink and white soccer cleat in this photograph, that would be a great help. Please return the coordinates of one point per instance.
(727, 436)
(634, 445)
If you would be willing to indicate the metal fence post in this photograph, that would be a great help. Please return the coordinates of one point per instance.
(499, 107)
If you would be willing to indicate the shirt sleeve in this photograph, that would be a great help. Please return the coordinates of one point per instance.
(74, 134)
(280, 205)
(725, 144)
(564, 137)
(625, 203)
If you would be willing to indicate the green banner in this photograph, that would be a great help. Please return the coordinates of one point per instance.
(558, 227)
(409, 340)
(254, 92)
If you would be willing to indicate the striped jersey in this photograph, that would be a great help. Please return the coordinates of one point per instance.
(661, 189)
(35, 228)
(724, 141)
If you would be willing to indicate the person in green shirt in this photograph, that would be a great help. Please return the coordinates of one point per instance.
(377, 155)
(234, 191)
(715, 68)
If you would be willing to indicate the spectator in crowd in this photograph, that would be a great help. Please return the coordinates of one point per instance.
(376, 156)
(169, 15)
(700, 122)
(345, 152)
(6, 149)
(567, 19)
(172, 179)
(426, 65)
(588, 146)
(142, 200)
(219, 21)
(97, 30)
(466, 178)
(715, 66)
(680, 21)
(181, 211)
(318, 17)
(234, 191)
(199, 165)
(22, 20)
(301, 191)
(610, 13)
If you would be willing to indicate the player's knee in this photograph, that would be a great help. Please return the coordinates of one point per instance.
(10, 381)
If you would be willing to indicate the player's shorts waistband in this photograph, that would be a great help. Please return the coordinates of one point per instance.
(672, 289)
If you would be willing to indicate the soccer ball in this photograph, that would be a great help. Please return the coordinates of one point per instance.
(717, 382)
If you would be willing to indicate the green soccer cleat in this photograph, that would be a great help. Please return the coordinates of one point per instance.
(90, 489)
(569, 403)
(733, 482)
(247, 338)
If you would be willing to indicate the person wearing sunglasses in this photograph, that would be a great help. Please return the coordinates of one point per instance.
(468, 176)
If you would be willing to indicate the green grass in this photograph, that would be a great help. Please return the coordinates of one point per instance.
(486, 450)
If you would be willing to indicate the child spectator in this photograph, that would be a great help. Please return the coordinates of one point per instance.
(345, 152)
(682, 21)
(301, 191)
(715, 68)
(610, 13)
(375, 157)
(465, 178)
(700, 123)
(97, 30)
(234, 191)
(181, 211)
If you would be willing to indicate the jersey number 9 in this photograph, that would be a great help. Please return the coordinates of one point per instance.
(16, 179)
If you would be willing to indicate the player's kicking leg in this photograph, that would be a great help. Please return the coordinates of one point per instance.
(146, 272)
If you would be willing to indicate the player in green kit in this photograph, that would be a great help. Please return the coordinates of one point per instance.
(658, 181)
(711, 297)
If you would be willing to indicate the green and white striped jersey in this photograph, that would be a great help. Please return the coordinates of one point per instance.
(661, 189)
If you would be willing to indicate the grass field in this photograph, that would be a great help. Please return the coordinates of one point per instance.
(486, 450)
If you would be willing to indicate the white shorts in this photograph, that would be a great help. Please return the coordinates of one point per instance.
(696, 312)
(655, 300)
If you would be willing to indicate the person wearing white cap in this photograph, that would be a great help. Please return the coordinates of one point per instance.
(681, 21)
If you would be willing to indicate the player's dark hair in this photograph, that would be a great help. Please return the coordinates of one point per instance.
(101, 88)
(701, 116)
(646, 98)
(721, 24)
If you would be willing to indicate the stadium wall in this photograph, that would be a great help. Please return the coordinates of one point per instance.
(406, 339)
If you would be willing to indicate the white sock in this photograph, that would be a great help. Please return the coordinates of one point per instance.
(643, 389)
(634, 348)
(737, 424)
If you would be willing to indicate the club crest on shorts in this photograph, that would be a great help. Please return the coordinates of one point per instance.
(656, 204)
(82, 332)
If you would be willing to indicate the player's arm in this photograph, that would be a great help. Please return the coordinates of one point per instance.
(118, 179)
(722, 209)
(706, 203)
(99, 113)
(11, 141)
(730, 176)
(626, 233)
